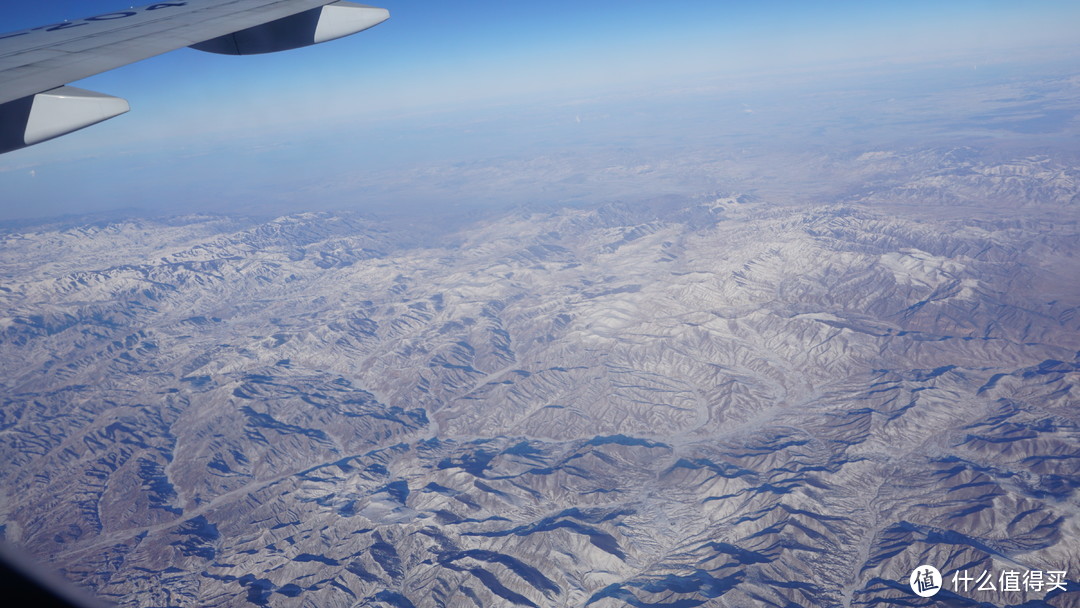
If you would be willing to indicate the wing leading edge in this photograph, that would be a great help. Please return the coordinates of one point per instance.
(36, 64)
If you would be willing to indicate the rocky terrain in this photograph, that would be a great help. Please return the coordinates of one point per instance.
(721, 401)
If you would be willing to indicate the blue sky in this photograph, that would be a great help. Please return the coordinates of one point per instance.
(437, 57)
(431, 53)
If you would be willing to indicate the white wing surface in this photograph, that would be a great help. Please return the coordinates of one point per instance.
(36, 64)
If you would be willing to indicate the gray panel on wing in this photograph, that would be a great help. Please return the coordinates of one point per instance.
(36, 60)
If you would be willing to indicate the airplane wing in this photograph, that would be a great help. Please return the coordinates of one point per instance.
(36, 64)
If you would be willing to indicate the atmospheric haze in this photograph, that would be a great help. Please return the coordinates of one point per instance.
(769, 338)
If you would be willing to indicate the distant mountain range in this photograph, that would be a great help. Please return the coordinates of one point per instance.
(719, 401)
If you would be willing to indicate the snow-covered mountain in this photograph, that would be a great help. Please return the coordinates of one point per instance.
(714, 402)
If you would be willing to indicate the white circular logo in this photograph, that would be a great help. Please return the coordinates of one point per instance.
(925, 581)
